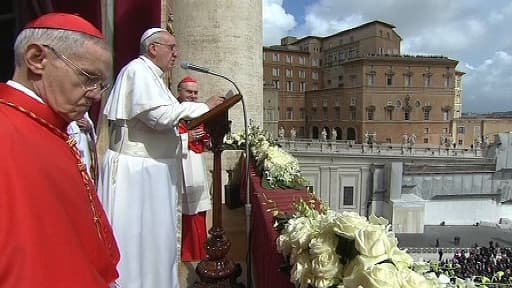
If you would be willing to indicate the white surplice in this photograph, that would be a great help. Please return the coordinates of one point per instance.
(141, 176)
(196, 196)
(84, 141)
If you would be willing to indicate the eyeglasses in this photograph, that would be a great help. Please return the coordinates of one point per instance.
(171, 46)
(89, 82)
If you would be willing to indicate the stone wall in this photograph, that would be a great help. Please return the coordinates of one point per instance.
(225, 36)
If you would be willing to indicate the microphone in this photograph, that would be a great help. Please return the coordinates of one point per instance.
(194, 67)
(187, 66)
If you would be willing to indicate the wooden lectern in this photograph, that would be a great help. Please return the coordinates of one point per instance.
(217, 270)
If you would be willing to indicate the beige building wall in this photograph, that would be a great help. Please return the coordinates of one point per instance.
(225, 36)
(374, 38)
(470, 131)
(394, 106)
(387, 108)
(289, 72)
(495, 126)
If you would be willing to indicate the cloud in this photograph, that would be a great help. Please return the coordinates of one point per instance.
(318, 26)
(276, 22)
(487, 87)
(444, 39)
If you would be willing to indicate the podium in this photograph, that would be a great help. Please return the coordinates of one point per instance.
(216, 270)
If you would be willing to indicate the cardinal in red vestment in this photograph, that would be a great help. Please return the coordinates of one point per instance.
(53, 230)
(196, 197)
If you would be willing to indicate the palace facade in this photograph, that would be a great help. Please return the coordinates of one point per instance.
(358, 84)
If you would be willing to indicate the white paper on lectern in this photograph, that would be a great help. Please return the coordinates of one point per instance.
(229, 94)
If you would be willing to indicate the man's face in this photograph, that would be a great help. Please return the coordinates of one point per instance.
(166, 51)
(70, 84)
(188, 92)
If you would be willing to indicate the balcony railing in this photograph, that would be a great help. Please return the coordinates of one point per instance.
(349, 147)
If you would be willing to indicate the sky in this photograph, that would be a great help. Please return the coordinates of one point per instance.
(477, 33)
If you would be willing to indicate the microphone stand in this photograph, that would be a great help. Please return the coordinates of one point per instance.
(248, 205)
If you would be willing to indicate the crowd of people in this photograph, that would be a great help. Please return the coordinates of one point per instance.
(493, 263)
(63, 224)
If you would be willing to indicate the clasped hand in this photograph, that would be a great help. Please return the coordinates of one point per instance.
(196, 133)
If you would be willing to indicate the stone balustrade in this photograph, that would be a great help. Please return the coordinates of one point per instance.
(384, 149)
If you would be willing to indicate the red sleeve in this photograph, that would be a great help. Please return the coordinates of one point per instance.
(181, 128)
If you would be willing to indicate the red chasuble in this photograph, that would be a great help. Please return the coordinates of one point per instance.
(53, 230)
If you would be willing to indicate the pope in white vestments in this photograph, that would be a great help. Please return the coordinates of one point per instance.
(141, 175)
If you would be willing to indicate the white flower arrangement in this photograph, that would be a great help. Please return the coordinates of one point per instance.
(330, 249)
(278, 169)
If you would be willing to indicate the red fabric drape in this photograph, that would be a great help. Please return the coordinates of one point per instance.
(265, 258)
(131, 19)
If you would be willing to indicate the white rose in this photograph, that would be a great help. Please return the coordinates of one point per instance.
(296, 253)
(301, 274)
(378, 276)
(301, 231)
(324, 282)
(326, 265)
(378, 220)
(323, 243)
(420, 267)
(264, 145)
(411, 279)
(348, 223)
(326, 221)
(400, 258)
(363, 263)
(372, 241)
(432, 279)
(228, 140)
(283, 244)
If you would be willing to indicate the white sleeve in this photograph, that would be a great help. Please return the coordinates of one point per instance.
(168, 116)
(91, 125)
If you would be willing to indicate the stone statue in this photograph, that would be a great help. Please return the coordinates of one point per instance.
(478, 143)
(412, 139)
(324, 134)
(334, 134)
(486, 140)
(448, 141)
(281, 132)
(293, 133)
(405, 138)
(366, 138)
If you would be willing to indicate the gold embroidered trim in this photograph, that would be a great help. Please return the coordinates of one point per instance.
(81, 166)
